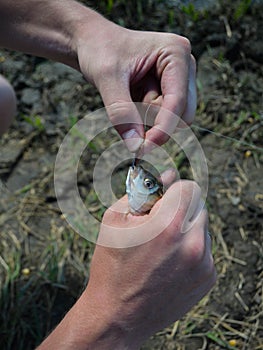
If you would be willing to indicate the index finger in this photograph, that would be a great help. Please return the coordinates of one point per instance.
(178, 101)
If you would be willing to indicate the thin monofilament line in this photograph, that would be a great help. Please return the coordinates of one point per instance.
(244, 143)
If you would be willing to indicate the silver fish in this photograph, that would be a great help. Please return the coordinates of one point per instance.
(143, 190)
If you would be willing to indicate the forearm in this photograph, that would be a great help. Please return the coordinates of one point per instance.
(91, 324)
(45, 28)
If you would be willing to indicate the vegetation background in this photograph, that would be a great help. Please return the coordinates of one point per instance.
(44, 265)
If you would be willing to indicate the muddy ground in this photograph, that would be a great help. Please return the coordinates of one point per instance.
(44, 263)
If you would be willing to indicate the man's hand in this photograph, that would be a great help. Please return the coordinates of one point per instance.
(134, 292)
(127, 66)
(151, 285)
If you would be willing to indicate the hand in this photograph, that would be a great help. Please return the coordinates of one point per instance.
(127, 66)
(149, 286)
(134, 292)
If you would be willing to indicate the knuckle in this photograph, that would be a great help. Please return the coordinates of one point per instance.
(181, 41)
(161, 138)
(120, 112)
(185, 44)
(178, 41)
(190, 187)
(196, 253)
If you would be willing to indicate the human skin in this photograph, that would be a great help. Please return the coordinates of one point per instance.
(132, 292)
(125, 65)
(7, 104)
(136, 291)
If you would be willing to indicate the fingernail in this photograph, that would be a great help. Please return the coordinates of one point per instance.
(132, 140)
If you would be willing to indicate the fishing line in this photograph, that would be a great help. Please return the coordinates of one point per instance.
(229, 138)
(194, 126)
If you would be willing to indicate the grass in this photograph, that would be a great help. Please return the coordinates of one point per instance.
(191, 11)
(44, 264)
(42, 276)
(35, 121)
(35, 271)
(34, 288)
(241, 9)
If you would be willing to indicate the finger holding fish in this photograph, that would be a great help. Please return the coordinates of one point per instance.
(168, 177)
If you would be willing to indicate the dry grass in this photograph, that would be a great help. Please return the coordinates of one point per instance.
(44, 265)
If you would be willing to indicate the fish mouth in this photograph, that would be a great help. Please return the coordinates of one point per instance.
(141, 199)
(132, 176)
(134, 171)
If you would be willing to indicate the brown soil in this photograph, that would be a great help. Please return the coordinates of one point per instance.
(229, 50)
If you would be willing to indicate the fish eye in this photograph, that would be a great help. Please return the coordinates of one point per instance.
(148, 183)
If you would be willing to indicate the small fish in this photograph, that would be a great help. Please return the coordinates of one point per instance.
(143, 190)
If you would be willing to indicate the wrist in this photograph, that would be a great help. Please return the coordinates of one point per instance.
(91, 324)
(99, 323)
(94, 41)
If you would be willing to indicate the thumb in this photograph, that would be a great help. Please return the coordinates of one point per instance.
(123, 113)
